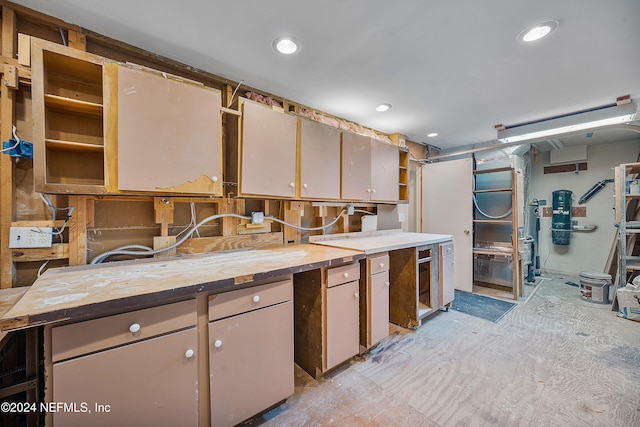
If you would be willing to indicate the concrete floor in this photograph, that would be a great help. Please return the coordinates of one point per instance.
(554, 360)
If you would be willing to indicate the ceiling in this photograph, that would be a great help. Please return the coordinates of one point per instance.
(451, 67)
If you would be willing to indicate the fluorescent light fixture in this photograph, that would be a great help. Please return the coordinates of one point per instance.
(383, 107)
(603, 116)
(286, 45)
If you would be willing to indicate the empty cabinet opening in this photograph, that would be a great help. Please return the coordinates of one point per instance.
(424, 280)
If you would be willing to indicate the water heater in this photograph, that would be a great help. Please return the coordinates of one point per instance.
(561, 217)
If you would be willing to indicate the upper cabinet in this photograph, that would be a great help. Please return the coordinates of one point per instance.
(369, 169)
(319, 161)
(174, 126)
(266, 152)
(102, 127)
(68, 120)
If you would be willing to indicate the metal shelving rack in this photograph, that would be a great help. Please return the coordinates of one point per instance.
(628, 230)
(512, 250)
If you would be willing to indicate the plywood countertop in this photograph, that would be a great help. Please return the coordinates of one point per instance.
(379, 241)
(74, 293)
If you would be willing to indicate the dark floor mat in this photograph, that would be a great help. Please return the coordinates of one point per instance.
(480, 306)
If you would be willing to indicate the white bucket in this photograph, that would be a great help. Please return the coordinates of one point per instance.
(594, 287)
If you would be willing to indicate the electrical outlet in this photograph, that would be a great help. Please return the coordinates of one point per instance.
(257, 217)
(30, 237)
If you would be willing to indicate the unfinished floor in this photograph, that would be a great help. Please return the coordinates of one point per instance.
(554, 360)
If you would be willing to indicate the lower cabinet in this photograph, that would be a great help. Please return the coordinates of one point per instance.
(327, 304)
(374, 307)
(251, 363)
(447, 291)
(113, 374)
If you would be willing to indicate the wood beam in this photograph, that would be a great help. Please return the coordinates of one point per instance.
(7, 199)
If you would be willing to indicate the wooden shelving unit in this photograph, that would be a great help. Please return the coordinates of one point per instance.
(504, 228)
(403, 177)
(69, 114)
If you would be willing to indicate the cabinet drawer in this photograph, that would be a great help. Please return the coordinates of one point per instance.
(378, 263)
(446, 248)
(94, 335)
(243, 300)
(343, 274)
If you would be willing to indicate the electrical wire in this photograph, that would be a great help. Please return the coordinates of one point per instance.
(307, 228)
(15, 137)
(98, 259)
(234, 93)
(146, 251)
(42, 267)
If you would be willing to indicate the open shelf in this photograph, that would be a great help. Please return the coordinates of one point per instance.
(60, 103)
(73, 146)
(493, 190)
(403, 175)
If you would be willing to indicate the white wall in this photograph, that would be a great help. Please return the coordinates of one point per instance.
(587, 251)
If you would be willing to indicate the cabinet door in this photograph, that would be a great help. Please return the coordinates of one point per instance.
(342, 332)
(384, 171)
(379, 307)
(268, 159)
(446, 273)
(251, 363)
(356, 166)
(148, 383)
(174, 127)
(319, 161)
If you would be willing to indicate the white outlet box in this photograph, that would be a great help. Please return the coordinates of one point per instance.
(30, 237)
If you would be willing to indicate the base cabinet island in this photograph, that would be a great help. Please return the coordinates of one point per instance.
(414, 287)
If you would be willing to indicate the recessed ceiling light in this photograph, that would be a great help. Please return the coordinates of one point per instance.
(383, 107)
(538, 31)
(432, 134)
(286, 45)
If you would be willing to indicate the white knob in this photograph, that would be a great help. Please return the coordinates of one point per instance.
(188, 354)
(368, 190)
(305, 186)
(382, 265)
(217, 344)
(135, 327)
(387, 283)
(357, 295)
(373, 191)
(256, 299)
(214, 178)
(346, 275)
(292, 184)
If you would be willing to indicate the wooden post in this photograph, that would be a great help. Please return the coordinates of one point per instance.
(164, 207)
(292, 212)
(78, 231)
(7, 200)
(77, 40)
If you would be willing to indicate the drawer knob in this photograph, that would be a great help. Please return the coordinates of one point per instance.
(357, 295)
(346, 275)
(256, 299)
(214, 178)
(292, 184)
(188, 354)
(387, 283)
(305, 186)
(382, 265)
(217, 344)
(135, 327)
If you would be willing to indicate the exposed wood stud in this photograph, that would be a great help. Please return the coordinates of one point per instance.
(7, 199)
(78, 231)
(24, 50)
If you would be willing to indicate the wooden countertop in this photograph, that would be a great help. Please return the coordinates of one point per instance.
(379, 241)
(77, 292)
